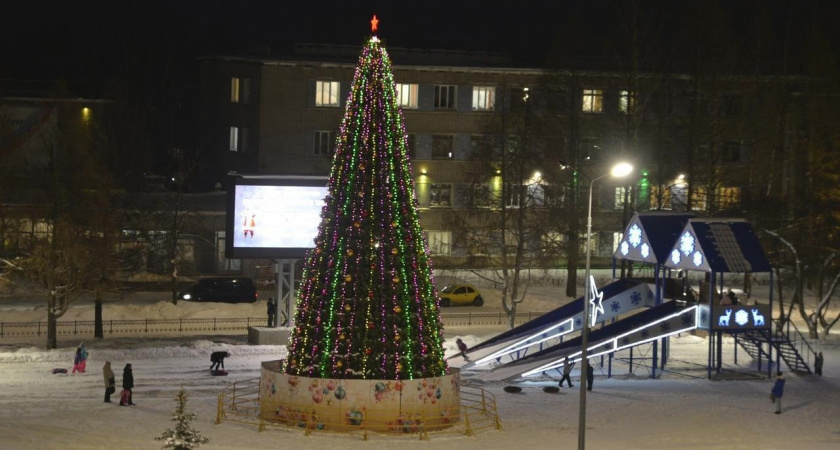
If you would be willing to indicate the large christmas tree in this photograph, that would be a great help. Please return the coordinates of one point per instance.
(367, 306)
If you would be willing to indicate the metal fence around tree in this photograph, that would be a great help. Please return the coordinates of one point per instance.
(27, 331)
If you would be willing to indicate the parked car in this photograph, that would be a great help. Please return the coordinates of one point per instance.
(222, 289)
(460, 294)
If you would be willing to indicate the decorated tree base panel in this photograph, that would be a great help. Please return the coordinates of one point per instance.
(342, 405)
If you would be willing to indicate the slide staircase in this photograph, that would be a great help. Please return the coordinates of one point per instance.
(789, 343)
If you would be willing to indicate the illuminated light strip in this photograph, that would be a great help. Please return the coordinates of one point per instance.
(518, 345)
(556, 364)
(600, 296)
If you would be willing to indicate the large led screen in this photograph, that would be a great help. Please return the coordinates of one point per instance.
(274, 217)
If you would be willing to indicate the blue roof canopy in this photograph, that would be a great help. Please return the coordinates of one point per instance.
(650, 236)
(718, 245)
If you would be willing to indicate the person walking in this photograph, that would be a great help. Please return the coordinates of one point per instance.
(590, 376)
(462, 347)
(110, 382)
(128, 385)
(777, 391)
(217, 359)
(567, 369)
(272, 312)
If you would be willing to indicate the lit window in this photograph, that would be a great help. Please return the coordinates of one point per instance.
(234, 90)
(698, 199)
(440, 242)
(234, 139)
(445, 97)
(326, 93)
(729, 197)
(323, 142)
(407, 96)
(239, 139)
(620, 194)
(593, 101)
(660, 198)
(626, 102)
(441, 194)
(240, 90)
(442, 146)
(483, 98)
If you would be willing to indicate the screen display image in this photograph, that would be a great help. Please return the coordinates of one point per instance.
(273, 221)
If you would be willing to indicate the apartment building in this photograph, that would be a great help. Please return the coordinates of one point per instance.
(696, 141)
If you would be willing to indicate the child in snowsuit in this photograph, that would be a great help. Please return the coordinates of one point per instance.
(84, 356)
(110, 382)
(590, 376)
(77, 361)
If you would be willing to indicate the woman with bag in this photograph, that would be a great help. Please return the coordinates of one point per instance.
(128, 385)
(110, 382)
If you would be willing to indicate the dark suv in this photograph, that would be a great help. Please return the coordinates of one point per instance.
(222, 289)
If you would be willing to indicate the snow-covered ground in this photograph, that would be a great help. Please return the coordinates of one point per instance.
(39, 410)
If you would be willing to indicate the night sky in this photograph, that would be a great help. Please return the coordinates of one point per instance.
(84, 41)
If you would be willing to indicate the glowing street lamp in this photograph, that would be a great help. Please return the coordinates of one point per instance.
(620, 170)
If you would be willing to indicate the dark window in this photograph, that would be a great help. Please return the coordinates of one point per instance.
(444, 96)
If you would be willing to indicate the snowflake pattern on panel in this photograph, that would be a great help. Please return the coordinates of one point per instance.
(615, 306)
(635, 235)
(675, 256)
(645, 250)
(742, 317)
(687, 319)
(625, 249)
(636, 298)
(698, 259)
(686, 243)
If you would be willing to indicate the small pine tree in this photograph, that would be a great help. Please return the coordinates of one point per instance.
(183, 437)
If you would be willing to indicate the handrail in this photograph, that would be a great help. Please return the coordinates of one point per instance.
(799, 338)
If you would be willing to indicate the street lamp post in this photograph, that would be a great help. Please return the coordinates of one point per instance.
(618, 171)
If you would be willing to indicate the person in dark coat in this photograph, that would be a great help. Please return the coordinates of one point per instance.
(462, 347)
(272, 312)
(818, 364)
(567, 369)
(110, 382)
(777, 391)
(590, 376)
(218, 359)
(127, 384)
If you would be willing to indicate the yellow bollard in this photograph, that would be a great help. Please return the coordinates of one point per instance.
(220, 411)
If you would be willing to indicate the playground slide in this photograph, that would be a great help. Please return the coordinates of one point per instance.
(654, 323)
(618, 297)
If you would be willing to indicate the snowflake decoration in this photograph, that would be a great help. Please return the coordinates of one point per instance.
(578, 322)
(675, 256)
(636, 298)
(665, 327)
(687, 319)
(645, 250)
(625, 249)
(562, 328)
(698, 259)
(635, 235)
(615, 306)
(742, 317)
(704, 316)
(687, 243)
(650, 295)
